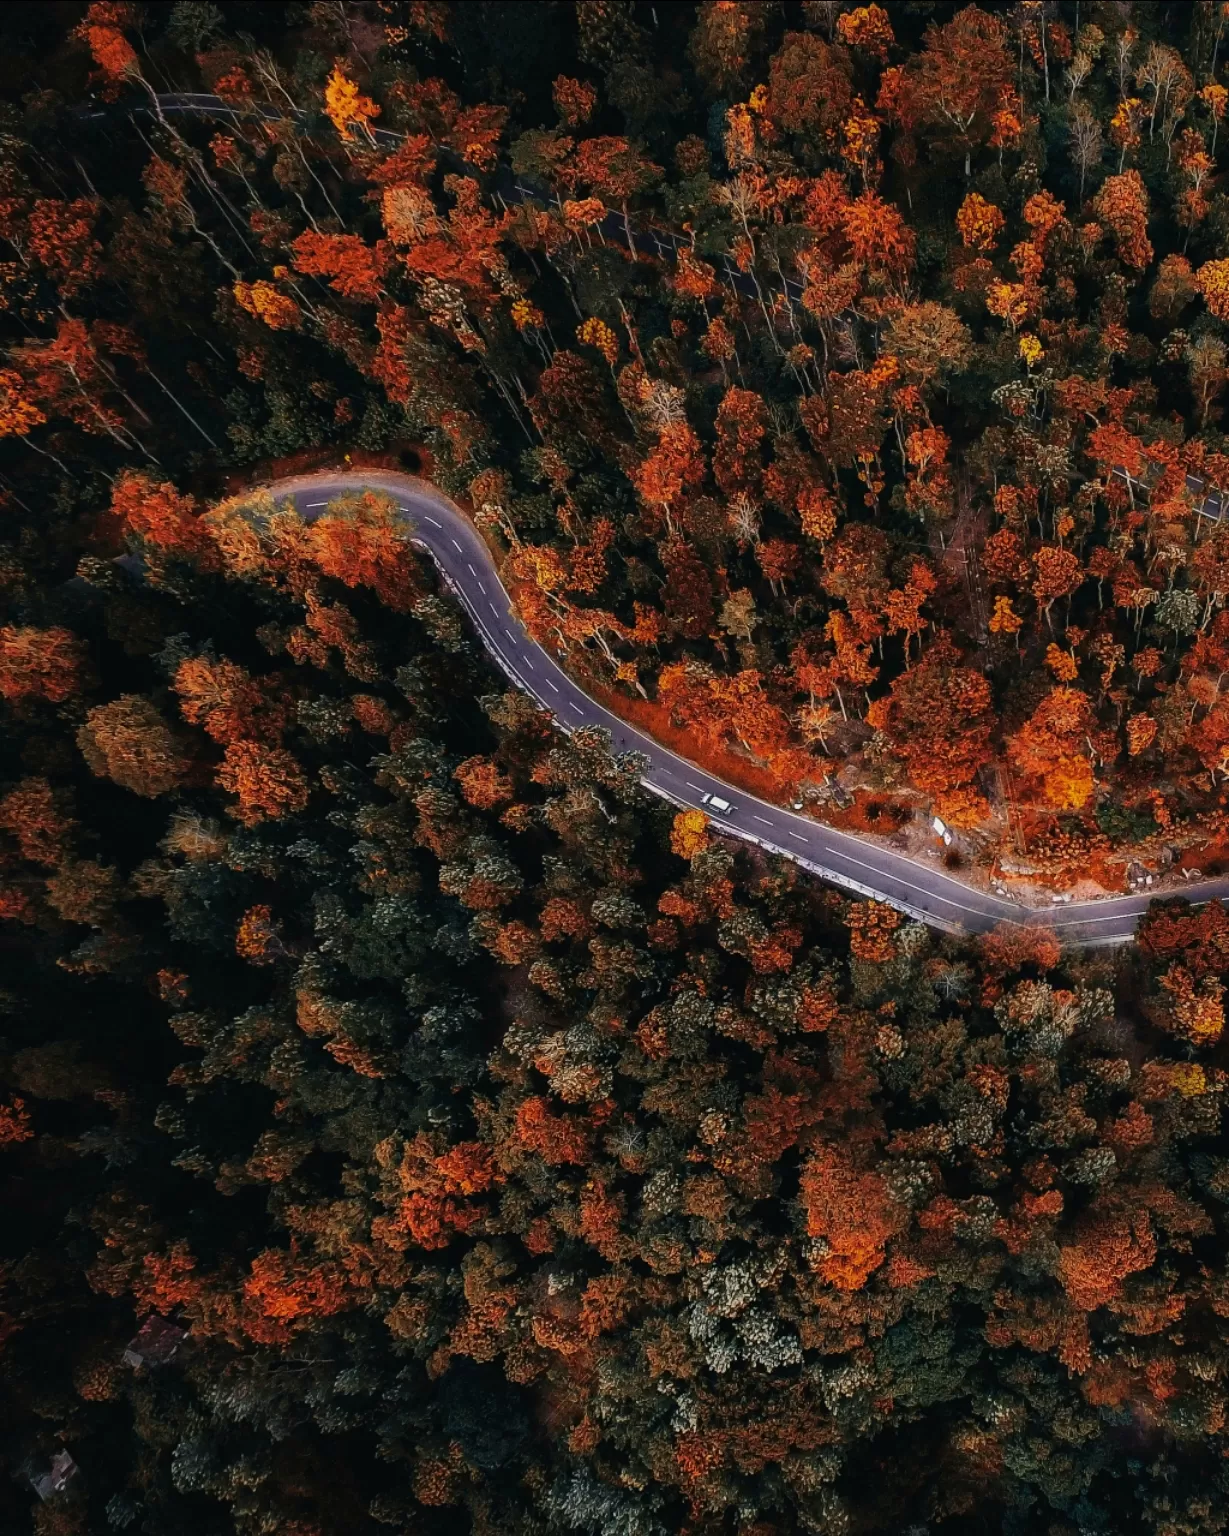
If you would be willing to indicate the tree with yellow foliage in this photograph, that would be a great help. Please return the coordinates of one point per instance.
(980, 223)
(689, 834)
(347, 108)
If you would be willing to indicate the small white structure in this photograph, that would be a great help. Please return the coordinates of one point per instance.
(56, 1478)
(157, 1343)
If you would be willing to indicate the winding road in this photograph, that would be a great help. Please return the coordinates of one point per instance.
(915, 886)
(439, 527)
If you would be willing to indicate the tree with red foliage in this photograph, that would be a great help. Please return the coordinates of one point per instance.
(483, 783)
(938, 718)
(671, 471)
(33, 814)
(960, 78)
(687, 597)
(354, 269)
(741, 425)
(557, 1139)
(809, 91)
(61, 236)
(614, 170)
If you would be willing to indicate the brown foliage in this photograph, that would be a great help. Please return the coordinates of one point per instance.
(128, 741)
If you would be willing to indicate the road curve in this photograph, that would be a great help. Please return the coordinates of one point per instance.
(434, 523)
(438, 526)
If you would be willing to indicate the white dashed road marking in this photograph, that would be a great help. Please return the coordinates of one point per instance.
(827, 855)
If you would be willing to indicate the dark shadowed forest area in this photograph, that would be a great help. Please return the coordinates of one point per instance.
(409, 1124)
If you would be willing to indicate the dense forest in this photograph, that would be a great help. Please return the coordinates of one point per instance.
(408, 1123)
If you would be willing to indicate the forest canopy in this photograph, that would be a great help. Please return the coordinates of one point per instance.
(409, 1123)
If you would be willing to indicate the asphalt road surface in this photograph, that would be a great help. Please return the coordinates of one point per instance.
(914, 886)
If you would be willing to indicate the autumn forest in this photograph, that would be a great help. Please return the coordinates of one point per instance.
(409, 1124)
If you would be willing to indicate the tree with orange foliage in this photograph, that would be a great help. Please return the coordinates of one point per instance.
(879, 237)
(871, 925)
(228, 702)
(869, 27)
(574, 100)
(556, 1139)
(852, 1216)
(1212, 281)
(938, 719)
(1052, 748)
(360, 540)
(432, 1198)
(257, 939)
(1122, 205)
(268, 781)
(33, 813)
(159, 516)
(1012, 946)
(741, 425)
(61, 236)
(614, 170)
(102, 31)
(1192, 1007)
(671, 471)
(1113, 1242)
(285, 1293)
(483, 783)
(46, 664)
(1058, 573)
(18, 413)
(266, 301)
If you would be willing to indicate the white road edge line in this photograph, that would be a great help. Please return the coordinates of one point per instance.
(827, 846)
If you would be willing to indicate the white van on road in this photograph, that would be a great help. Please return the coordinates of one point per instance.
(716, 803)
